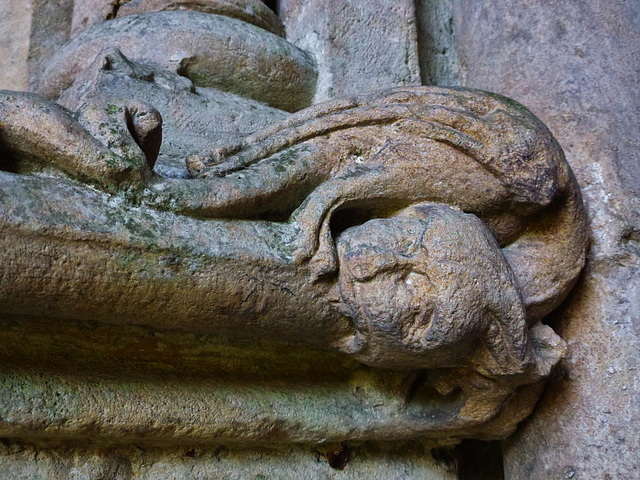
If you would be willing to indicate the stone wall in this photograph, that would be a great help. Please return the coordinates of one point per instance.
(14, 44)
(359, 45)
(576, 65)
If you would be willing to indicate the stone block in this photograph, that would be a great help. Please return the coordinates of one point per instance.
(359, 46)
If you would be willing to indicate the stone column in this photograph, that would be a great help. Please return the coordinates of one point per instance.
(576, 66)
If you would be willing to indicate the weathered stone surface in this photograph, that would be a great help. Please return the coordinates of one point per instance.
(195, 119)
(437, 43)
(50, 29)
(211, 50)
(51, 124)
(576, 66)
(406, 461)
(30, 32)
(250, 11)
(87, 13)
(321, 248)
(204, 408)
(434, 315)
(15, 29)
(359, 46)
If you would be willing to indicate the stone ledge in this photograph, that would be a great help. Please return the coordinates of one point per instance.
(368, 461)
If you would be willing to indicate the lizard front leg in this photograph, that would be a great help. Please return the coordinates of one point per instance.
(33, 129)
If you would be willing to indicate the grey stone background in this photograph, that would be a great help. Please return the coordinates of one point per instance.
(577, 66)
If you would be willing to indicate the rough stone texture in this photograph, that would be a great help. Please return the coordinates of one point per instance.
(30, 32)
(437, 43)
(195, 119)
(444, 309)
(15, 29)
(50, 29)
(363, 462)
(521, 50)
(211, 50)
(87, 13)
(359, 46)
(576, 65)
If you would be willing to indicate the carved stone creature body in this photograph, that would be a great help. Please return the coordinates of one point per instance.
(476, 151)
(211, 50)
(339, 164)
(415, 229)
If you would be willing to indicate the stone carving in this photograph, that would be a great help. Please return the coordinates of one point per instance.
(91, 12)
(414, 229)
(210, 50)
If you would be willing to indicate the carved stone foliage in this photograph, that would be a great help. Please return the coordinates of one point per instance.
(159, 181)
